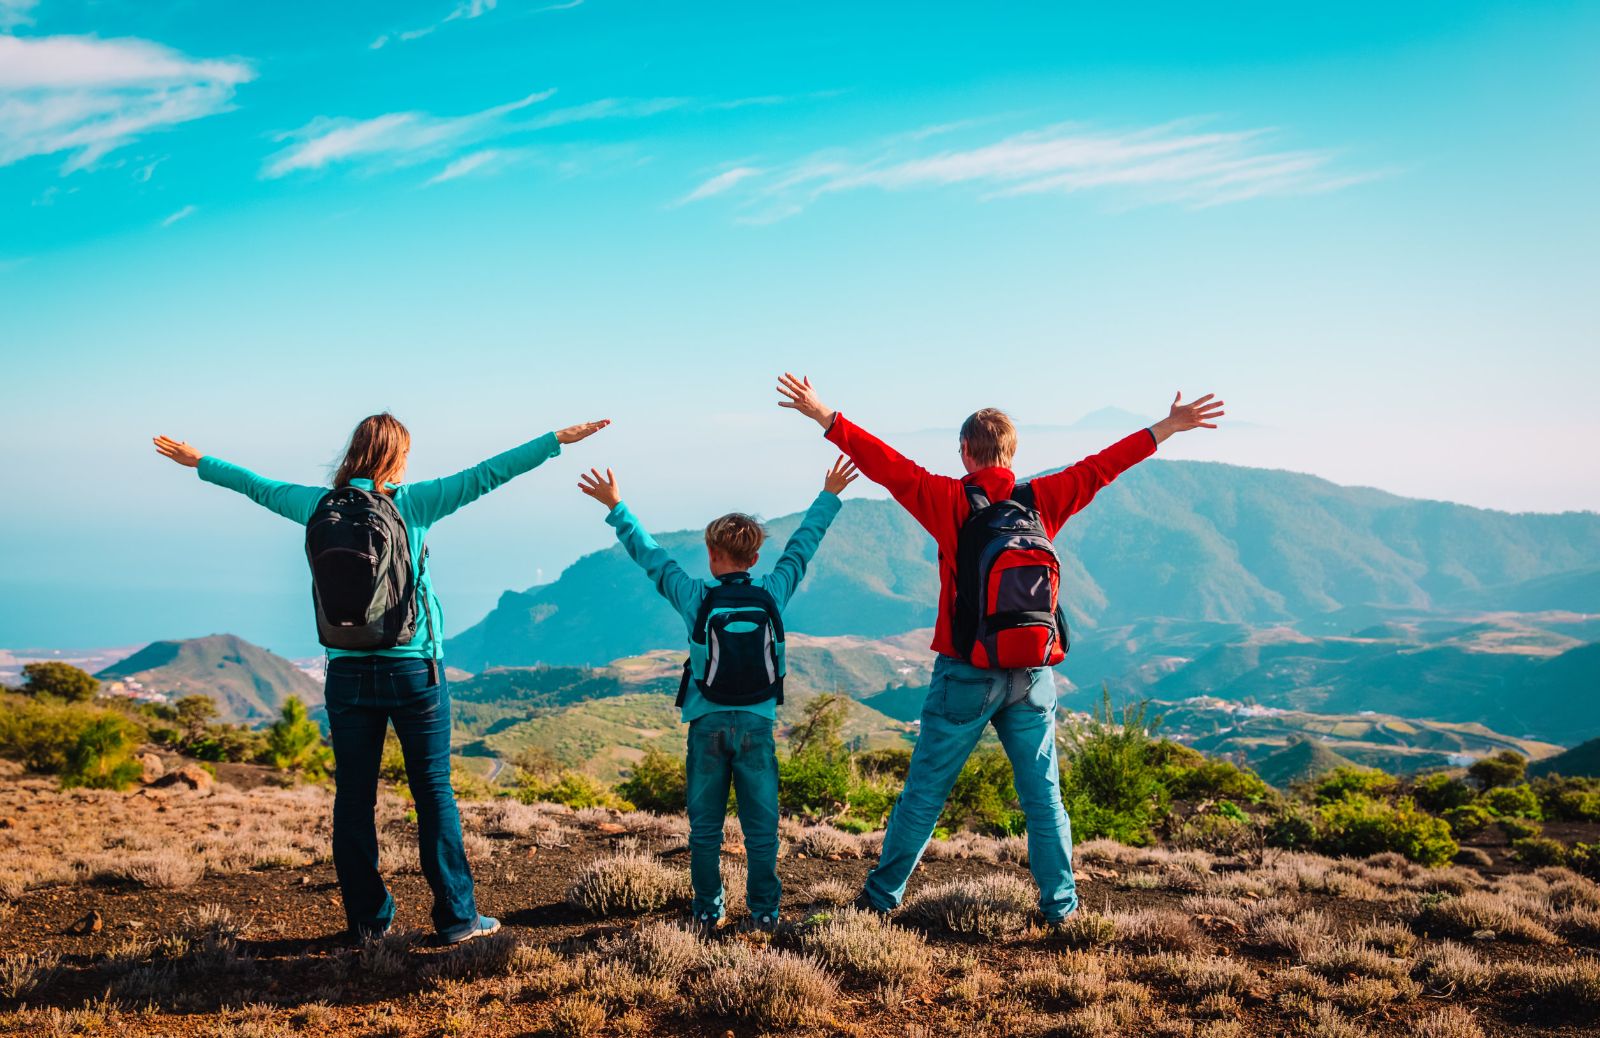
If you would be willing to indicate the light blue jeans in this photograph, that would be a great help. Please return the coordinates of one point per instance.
(733, 747)
(962, 700)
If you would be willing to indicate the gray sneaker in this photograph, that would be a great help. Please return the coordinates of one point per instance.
(485, 926)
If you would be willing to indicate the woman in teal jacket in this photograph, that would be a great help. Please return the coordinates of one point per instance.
(367, 690)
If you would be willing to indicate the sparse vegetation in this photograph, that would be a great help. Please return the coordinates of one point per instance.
(626, 882)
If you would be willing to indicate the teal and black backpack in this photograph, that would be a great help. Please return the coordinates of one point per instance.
(736, 647)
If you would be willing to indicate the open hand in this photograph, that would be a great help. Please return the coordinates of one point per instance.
(602, 489)
(177, 450)
(801, 397)
(840, 476)
(581, 431)
(1202, 414)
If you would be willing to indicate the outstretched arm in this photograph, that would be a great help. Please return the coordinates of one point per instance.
(784, 580)
(676, 586)
(433, 499)
(923, 494)
(1063, 493)
(294, 501)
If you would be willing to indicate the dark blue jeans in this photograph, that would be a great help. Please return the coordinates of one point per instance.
(733, 747)
(364, 694)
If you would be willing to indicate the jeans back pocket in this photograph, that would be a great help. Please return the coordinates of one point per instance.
(961, 700)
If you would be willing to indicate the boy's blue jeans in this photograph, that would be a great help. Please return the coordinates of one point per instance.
(733, 746)
(962, 700)
(364, 694)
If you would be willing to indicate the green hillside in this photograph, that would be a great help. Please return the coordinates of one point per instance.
(248, 683)
(1301, 761)
(1194, 542)
(1583, 759)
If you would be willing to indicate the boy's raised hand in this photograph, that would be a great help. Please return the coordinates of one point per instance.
(801, 397)
(581, 431)
(1202, 414)
(178, 451)
(603, 489)
(840, 476)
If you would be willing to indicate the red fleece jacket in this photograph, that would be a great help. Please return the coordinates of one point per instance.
(940, 504)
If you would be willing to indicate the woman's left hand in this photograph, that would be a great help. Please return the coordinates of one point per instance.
(574, 433)
(178, 451)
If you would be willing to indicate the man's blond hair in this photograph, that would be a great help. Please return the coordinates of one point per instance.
(990, 437)
(736, 535)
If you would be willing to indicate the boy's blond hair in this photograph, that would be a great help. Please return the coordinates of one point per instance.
(736, 535)
(990, 437)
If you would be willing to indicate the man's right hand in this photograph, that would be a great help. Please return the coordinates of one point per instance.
(603, 489)
(801, 397)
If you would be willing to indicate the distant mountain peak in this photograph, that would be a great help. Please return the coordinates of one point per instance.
(249, 683)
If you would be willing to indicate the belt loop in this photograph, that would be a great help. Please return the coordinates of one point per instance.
(433, 671)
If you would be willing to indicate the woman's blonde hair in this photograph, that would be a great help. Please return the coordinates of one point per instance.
(377, 451)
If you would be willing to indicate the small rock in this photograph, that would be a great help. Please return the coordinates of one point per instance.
(610, 828)
(153, 768)
(191, 775)
(1483, 935)
(94, 922)
(8, 823)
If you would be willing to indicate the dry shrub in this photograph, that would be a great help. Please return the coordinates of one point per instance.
(1474, 857)
(1579, 924)
(657, 950)
(1144, 881)
(162, 870)
(1153, 930)
(1366, 995)
(22, 973)
(1349, 959)
(1013, 849)
(1569, 989)
(766, 987)
(1083, 929)
(1387, 937)
(1324, 1021)
(389, 955)
(626, 882)
(1219, 1005)
(1573, 891)
(1450, 968)
(1199, 974)
(490, 956)
(1448, 1022)
(1300, 935)
(618, 985)
(1219, 1029)
(1451, 879)
(1471, 913)
(831, 892)
(7, 912)
(1211, 904)
(1103, 852)
(577, 1017)
(989, 907)
(824, 841)
(1075, 978)
(865, 943)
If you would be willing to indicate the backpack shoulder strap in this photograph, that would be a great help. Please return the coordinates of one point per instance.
(977, 500)
(698, 634)
(1022, 494)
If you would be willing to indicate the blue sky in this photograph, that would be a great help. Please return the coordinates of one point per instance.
(1371, 227)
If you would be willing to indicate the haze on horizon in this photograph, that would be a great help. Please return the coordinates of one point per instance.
(1370, 228)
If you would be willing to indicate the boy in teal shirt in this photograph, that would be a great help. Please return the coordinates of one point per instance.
(727, 744)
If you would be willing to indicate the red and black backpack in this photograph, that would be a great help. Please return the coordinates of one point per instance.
(1008, 585)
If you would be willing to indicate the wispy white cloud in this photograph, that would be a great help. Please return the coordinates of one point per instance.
(401, 139)
(722, 182)
(1174, 163)
(465, 11)
(396, 139)
(466, 165)
(14, 13)
(86, 97)
(182, 214)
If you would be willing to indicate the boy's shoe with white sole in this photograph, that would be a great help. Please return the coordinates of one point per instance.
(485, 926)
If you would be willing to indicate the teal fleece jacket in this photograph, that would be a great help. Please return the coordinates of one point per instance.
(686, 592)
(420, 505)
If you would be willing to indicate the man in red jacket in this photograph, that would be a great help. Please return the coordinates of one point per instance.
(963, 699)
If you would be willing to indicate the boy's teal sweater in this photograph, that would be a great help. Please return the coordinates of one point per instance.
(686, 593)
(420, 504)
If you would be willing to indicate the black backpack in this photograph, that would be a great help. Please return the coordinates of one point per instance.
(1008, 585)
(361, 575)
(736, 647)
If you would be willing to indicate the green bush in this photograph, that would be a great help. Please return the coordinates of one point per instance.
(1501, 769)
(1111, 784)
(984, 798)
(1215, 832)
(657, 784)
(1520, 828)
(572, 788)
(1568, 799)
(813, 784)
(43, 733)
(1358, 825)
(59, 680)
(102, 757)
(1294, 828)
(892, 763)
(1440, 792)
(1539, 851)
(1512, 801)
(294, 743)
(1346, 782)
(1468, 819)
(1190, 775)
(1584, 858)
